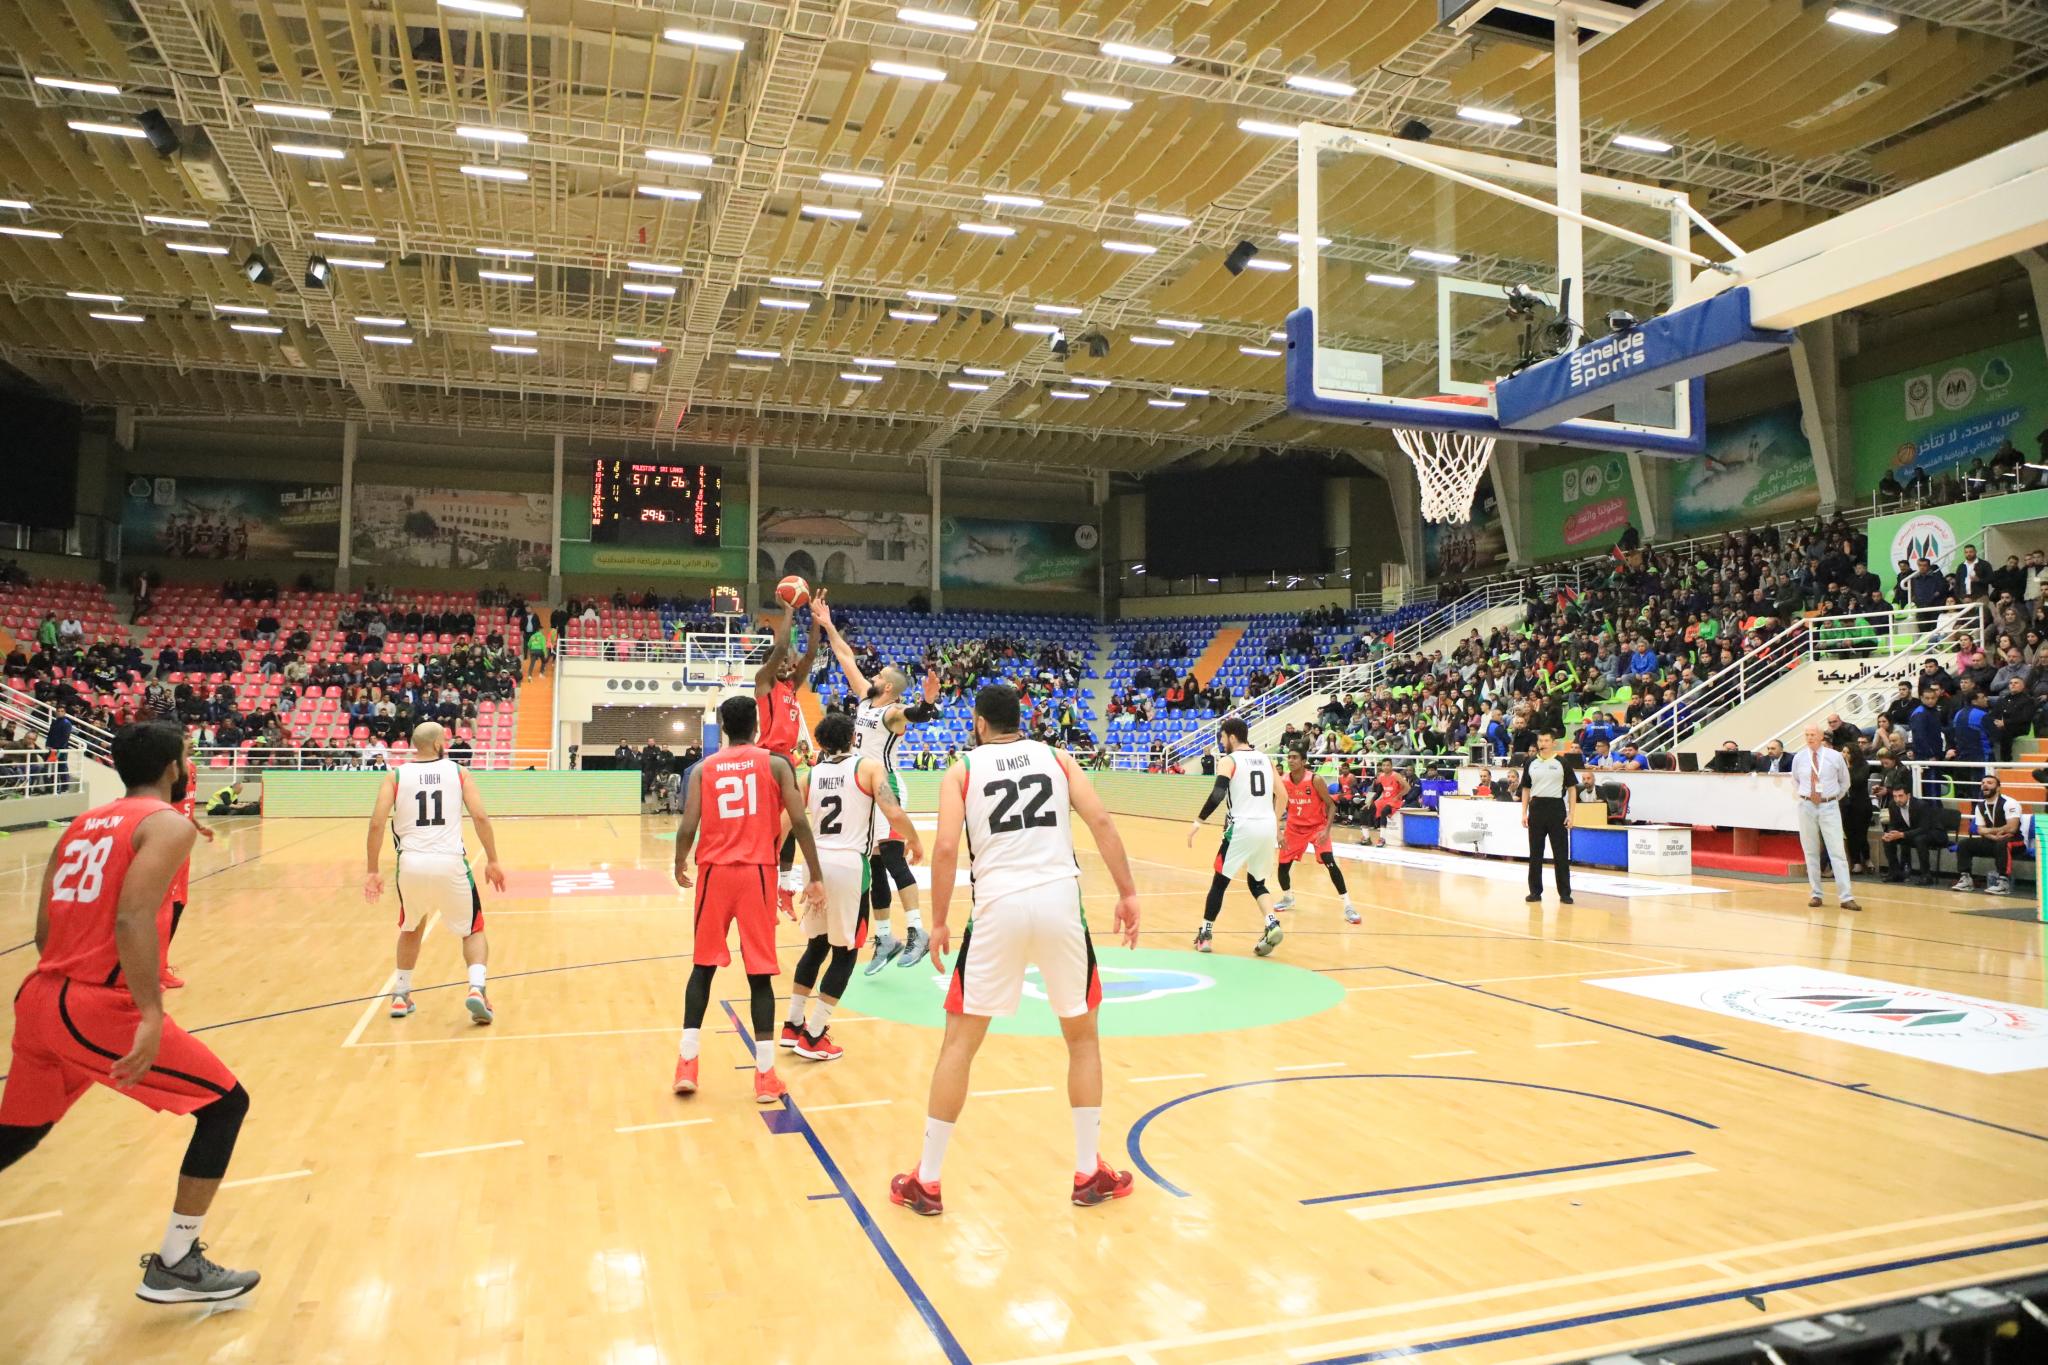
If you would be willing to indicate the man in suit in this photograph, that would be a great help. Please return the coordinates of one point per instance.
(1774, 759)
(1912, 827)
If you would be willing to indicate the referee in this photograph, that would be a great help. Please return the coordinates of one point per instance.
(1546, 776)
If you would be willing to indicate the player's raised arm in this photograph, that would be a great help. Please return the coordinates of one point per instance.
(1218, 794)
(481, 818)
(687, 822)
(872, 773)
(162, 843)
(1108, 842)
(771, 667)
(800, 826)
(380, 826)
(842, 652)
(946, 858)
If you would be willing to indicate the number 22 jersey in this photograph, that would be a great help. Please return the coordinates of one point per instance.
(1018, 830)
(92, 863)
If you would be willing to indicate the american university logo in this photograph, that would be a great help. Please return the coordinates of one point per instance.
(1928, 537)
(1963, 1031)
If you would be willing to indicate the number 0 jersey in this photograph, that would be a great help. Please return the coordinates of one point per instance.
(428, 816)
(92, 862)
(842, 814)
(1019, 833)
(1251, 791)
(739, 805)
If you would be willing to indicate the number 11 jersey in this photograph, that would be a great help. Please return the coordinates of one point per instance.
(739, 808)
(426, 820)
(1019, 833)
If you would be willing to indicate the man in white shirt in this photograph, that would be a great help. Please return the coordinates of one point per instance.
(1820, 777)
(71, 630)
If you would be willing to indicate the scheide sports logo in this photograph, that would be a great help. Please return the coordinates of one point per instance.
(1607, 357)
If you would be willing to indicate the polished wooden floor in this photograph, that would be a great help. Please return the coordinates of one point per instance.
(428, 1191)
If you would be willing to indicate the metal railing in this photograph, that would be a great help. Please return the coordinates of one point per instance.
(1854, 636)
(705, 658)
(366, 755)
(27, 713)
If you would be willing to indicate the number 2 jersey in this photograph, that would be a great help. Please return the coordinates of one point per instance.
(842, 812)
(92, 861)
(1019, 833)
(739, 807)
(427, 820)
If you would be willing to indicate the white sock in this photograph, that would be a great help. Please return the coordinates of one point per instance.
(796, 1008)
(179, 1236)
(402, 982)
(764, 1055)
(477, 972)
(821, 1015)
(1087, 1138)
(913, 921)
(881, 927)
(937, 1133)
(688, 1049)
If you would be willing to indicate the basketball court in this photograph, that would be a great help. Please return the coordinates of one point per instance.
(1454, 1129)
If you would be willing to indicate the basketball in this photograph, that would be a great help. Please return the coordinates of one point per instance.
(793, 590)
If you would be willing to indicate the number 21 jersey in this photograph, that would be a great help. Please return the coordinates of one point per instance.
(739, 807)
(1018, 830)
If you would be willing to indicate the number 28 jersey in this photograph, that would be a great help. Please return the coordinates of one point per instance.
(92, 861)
(1019, 833)
(427, 819)
(739, 807)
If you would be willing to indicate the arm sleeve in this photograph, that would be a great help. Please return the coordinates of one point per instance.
(1216, 795)
(920, 713)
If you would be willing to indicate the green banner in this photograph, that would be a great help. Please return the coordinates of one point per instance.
(1938, 533)
(1754, 470)
(1579, 504)
(194, 517)
(1942, 416)
(727, 563)
(1022, 556)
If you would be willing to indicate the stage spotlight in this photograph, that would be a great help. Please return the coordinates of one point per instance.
(1621, 321)
(1095, 343)
(256, 270)
(317, 271)
(1239, 255)
(1059, 345)
(1415, 130)
(158, 130)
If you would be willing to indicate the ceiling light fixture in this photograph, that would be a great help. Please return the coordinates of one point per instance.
(1131, 52)
(1390, 281)
(368, 321)
(926, 18)
(494, 173)
(1178, 324)
(907, 71)
(851, 180)
(1316, 85)
(21, 204)
(635, 360)
(1264, 128)
(197, 248)
(966, 386)
(87, 296)
(1633, 143)
(1091, 383)
(666, 192)
(1499, 118)
(1264, 351)
(1294, 239)
(1863, 21)
(501, 276)
(247, 310)
(827, 211)
(1088, 99)
(654, 267)
(1068, 393)
(388, 341)
(512, 331)
(640, 343)
(1268, 263)
(989, 229)
(875, 361)
(674, 158)
(1151, 341)
(352, 238)
(1064, 310)
(109, 129)
(87, 87)
(504, 349)
(117, 317)
(1428, 257)
(1043, 329)
(304, 111)
(981, 372)
(717, 42)
(263, 329)
(1166, 402)
(756, 353)
(510, 253)
(308, 149)
(479, 133)
(1179, 392)
(497, 9)
(1165, 220)
(1130, 248)
(171, 220)
(787, 305)
(910, 315)
(796, 281)
(354, 263)
(930, 295)
(1015, 201)
(854, 377)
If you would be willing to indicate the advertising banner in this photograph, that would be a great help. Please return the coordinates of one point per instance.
(450, 528)
(1019, 556)
(845, 547)
(182, 517)
(1476, 545)
(1942, 416)
(1757, 469)
(1580, 505)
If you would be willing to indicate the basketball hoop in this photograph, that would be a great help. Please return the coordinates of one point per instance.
(1447, 464)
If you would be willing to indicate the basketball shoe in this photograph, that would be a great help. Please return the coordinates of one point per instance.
(912, 1193)
(1106, 1184)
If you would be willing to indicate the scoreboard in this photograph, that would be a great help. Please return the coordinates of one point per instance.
(655, 504)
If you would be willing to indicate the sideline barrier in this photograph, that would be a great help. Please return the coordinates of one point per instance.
(288, 795)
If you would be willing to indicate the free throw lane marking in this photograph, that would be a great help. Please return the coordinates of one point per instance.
(850, 1104)
(477, 1147)
(31, 1218)
(650, 1127)
(264, 1179)
(1534, 1190)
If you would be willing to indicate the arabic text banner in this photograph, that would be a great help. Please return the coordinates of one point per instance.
(182, 517)
(1757, 469)
(1942, 416)
(830, 547)
(451, 528)
(1578, 505)
(1019, 556)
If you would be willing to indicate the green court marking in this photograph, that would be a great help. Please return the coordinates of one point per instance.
(666, 834)
(1146, 993)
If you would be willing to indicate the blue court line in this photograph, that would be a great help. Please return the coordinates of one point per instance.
(1676, 1305)
(815, 1197)
(1135, 1144)
(1859, 1088)
(1489, 1179)
(942, 1334)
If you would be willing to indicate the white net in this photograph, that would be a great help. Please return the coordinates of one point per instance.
(1447, 466)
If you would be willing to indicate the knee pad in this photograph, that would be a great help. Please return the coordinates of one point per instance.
(878, 883)
(1327, 859)
(18, 1140)
(897, 864)
(214, 1131)
(812, 959)
(838, 974)
(1254, 885)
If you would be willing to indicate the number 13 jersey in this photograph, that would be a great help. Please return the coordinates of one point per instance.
(1018, 829)
(427, 819)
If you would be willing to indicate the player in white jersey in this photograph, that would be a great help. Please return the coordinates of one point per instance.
(423, 803)
(1251, 833)
(879, 721)
(844, 794)
(1011, 797)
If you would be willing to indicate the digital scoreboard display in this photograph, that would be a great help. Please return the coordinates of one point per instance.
(655, 504)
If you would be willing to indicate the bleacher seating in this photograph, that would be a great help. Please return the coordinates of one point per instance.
(22, 609)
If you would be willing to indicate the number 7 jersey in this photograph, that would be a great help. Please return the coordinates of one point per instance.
(1019, 830)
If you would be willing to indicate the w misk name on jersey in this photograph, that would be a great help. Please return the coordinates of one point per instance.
(1019, 833)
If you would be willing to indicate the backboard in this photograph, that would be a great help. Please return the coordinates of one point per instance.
(1404, 273)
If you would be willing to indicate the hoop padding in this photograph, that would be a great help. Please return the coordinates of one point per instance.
(1448, 465)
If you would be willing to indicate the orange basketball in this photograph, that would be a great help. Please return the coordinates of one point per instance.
(793, 590)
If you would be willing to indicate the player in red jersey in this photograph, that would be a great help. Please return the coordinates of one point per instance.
(1387, 790)
(733, 807)
(781, 719)
(1301, 801)
(181, 885)
(93, 1011)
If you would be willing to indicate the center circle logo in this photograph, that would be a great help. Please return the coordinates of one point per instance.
(1892, 1012)
(1923, 537)
(1146, 993)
